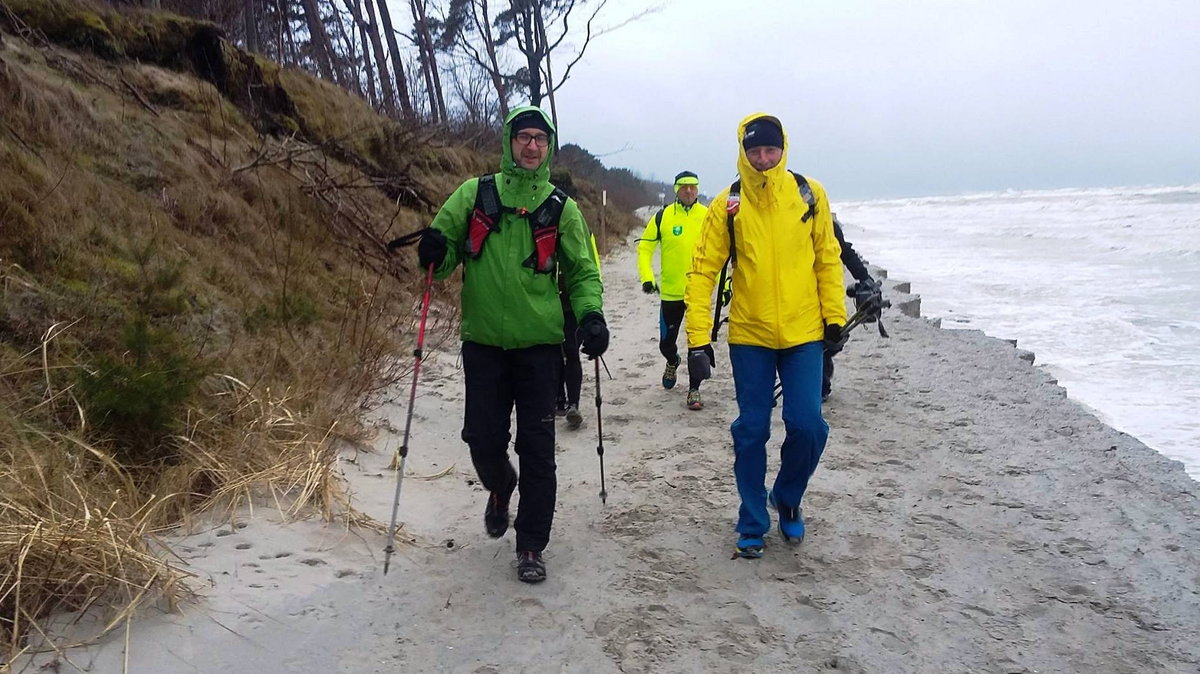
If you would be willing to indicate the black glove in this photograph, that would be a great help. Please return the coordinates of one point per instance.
(432, 248)
(701, 361)
(649, 288)
(864, 286)
(593, 335)
(834, 338)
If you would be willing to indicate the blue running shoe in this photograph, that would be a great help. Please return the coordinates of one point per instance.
(749, 547)
(668, 378)
(791, 520)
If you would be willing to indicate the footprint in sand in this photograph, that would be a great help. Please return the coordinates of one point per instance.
(916, 566)
(887, 488)
(638, 522)
(898, 464)
(636, 474)
(642, 637)
(658, 571)
(938, 522)
(737, 634)
(539, 618)
(1074, 547)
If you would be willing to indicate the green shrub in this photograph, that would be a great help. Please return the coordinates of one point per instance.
(290, 310)
(139, 397)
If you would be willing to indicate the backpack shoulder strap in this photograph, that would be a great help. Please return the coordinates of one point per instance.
(732, 204)
(543, 224)
(487, 198)
(658, 223)
(484, 218)
(553, 207)
(806, 194)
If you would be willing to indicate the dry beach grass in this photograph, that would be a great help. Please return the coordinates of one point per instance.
(196, 305)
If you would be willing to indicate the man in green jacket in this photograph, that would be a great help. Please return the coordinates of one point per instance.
(674, 229)
(512, 321)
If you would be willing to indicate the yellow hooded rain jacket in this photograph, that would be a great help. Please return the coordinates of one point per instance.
(787, 284)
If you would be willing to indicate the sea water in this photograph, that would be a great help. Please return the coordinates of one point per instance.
(1102, 284)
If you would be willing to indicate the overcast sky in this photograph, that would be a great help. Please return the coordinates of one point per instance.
(885, 98)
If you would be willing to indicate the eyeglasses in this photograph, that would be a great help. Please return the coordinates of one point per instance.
(541, 139)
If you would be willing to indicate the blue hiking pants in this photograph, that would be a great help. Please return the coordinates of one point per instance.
(754, 370)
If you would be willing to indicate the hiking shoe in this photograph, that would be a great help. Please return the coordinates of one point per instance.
(560, 409)
(791, 521)
(530, 567)
(669, 378)
(495, 515)
(693, 401)
(749, 547)
(574, 418)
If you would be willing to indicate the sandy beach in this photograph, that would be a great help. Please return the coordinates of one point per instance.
(966, 517)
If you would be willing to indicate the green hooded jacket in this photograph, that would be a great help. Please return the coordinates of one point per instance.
(504, 302)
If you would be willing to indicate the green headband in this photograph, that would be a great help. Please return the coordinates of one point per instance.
(686, 180)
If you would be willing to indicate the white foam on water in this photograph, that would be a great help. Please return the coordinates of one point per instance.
(1102, 284)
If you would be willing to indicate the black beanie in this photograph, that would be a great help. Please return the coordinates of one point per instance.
(530, 119)
(763, 131)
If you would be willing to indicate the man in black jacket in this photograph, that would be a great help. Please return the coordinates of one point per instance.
(858, 269)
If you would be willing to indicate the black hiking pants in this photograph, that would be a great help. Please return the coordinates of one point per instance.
(571, 380)
(496, 381)
(670, 319)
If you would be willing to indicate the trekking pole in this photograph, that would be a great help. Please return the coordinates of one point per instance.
(871, 309)
(600, 433)
(412, 397)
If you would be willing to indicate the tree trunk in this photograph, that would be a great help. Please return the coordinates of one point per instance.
(398, 65)
(287, 31)
(532, 50)
(485, 27)
(250, 21)
(279, 23)
(423, 59)
(345, 64)
(368, 68)
(318, 39)
(541, 28)
(433, 80)
(385, 80)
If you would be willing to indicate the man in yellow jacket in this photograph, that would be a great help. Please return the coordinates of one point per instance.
(776, 231)
(674, 229)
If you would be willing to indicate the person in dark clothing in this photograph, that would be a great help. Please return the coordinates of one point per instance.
(858, 269)
(512, 322)
(570, 381)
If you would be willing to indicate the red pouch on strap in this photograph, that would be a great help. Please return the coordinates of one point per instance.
(478, 229)
(545, 240)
